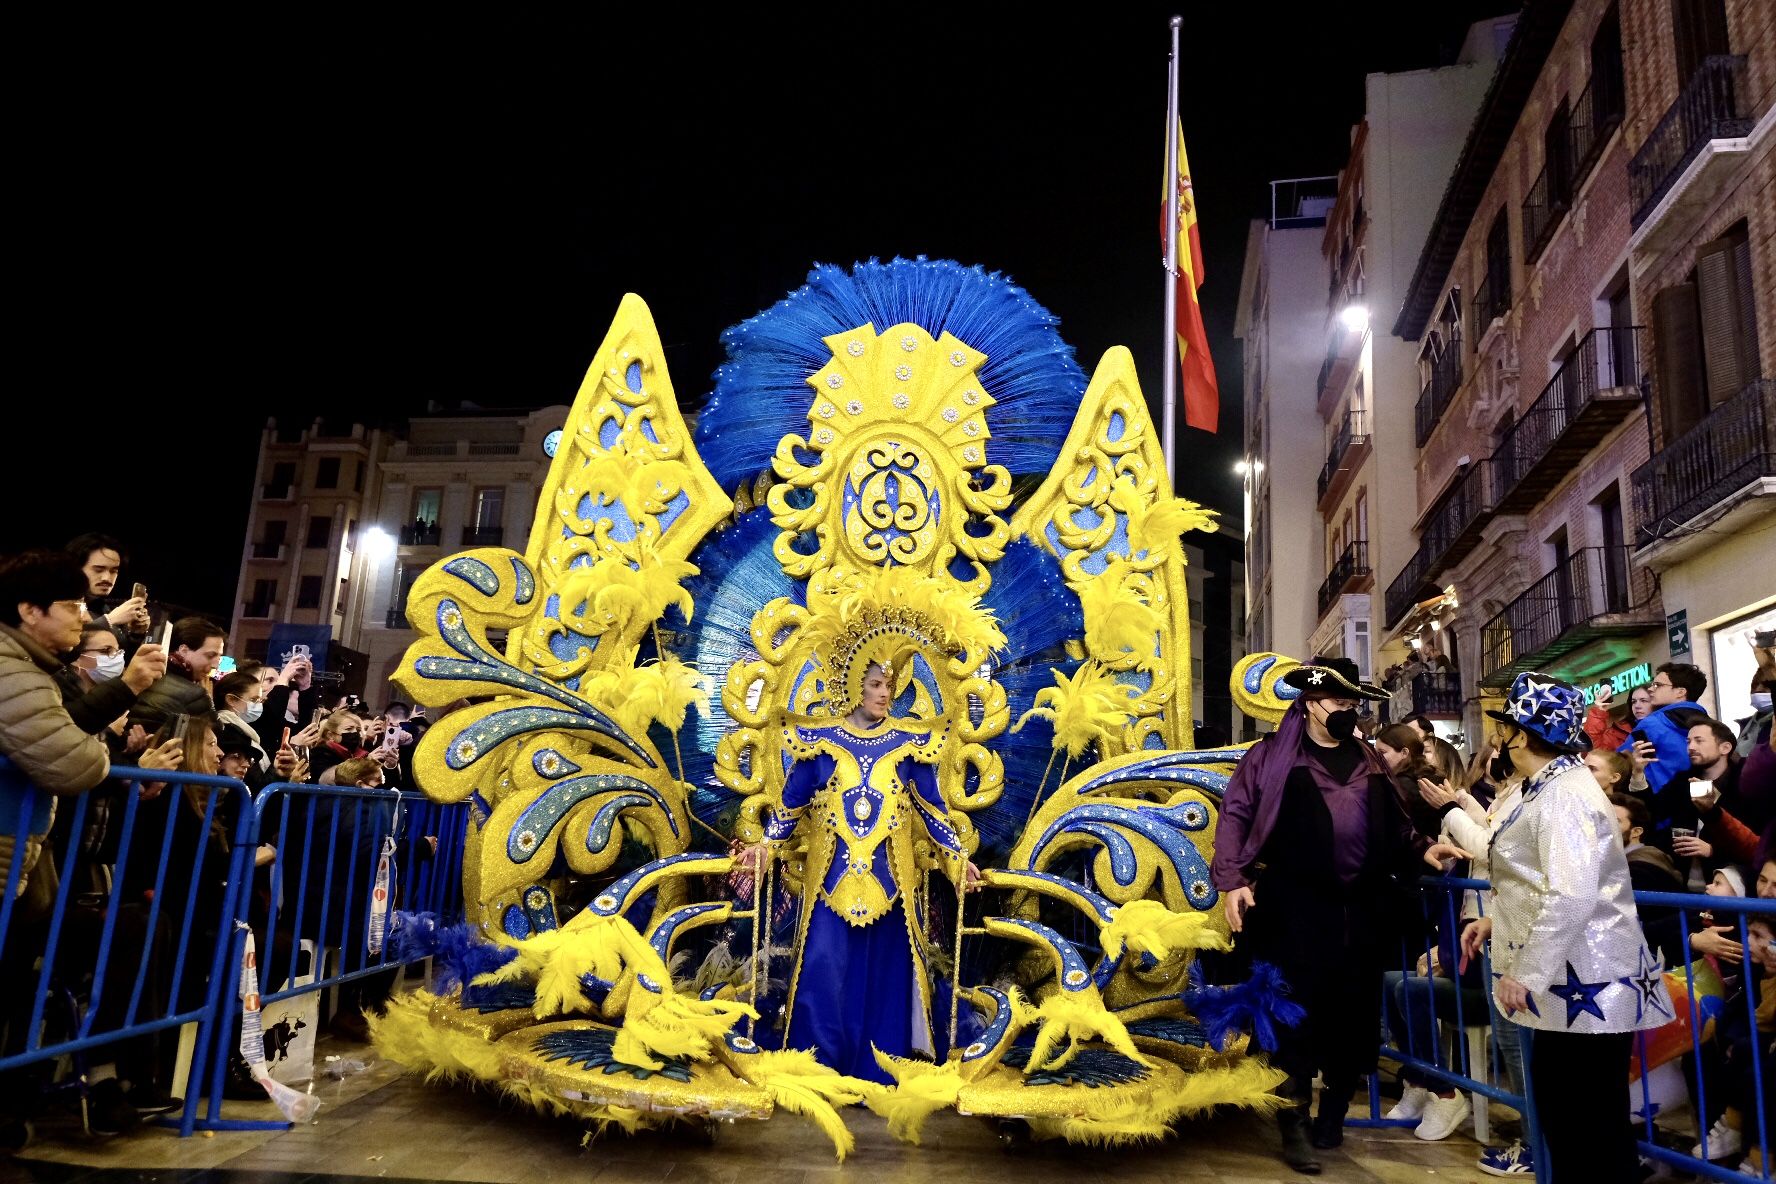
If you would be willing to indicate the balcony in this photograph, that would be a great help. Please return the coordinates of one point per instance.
(1710, 108)
(397, 617)
(1342, 355)
(1437, 694)
(1593, 594)
(482, 536)
(1350, 448)
(493, 448)
(1733, 449)
(1596, 115)
(1439, 392)
(1349, 571)
(258, 610)
(1492, 300)
(1594, 390)
(280, 491)
(273, 551)
(1449, 533)
(1544, 208)
(421, 534)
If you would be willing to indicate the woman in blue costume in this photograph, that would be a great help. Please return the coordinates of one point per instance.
(864, 794)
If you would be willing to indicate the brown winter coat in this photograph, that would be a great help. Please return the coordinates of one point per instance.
(44, 745)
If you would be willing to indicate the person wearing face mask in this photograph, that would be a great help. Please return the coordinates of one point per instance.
(240, 701)
(1310, 839)
(1569, 961)
(98, 687)
(1754, 729)
(342, 739)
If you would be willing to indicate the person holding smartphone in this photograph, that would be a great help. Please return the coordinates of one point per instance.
(1658, 747)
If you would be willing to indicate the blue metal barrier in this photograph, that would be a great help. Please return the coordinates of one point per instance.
(1441, 900)
(164, 888)
(328, 841)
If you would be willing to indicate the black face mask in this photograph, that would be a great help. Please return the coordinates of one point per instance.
(1500, 768)
(1342, 724)
(349, 740)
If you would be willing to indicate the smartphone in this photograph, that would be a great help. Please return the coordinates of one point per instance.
(139, 592)
(286, 740)
(166, 639)
(1639, 736)
(178, 726)
(321, 714)
(1700, 788)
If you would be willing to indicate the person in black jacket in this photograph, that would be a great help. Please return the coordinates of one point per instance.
(185, 688)
(98, 687)
(1649, 870)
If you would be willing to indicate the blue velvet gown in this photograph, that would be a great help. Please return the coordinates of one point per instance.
(863, 799)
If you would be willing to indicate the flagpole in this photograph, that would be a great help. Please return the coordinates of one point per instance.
(1170, 367)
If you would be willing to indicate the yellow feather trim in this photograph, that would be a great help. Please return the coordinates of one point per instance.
(802, 1085)
(406, 1034)
(1089, 708)
(1120, 626)
(1112, 1116)
(920, 1090)
(1076, 1016)
(1149, 927)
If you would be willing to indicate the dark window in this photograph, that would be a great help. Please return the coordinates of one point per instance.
(358, 468)
(283, 474)
(276, 531)
(320, 533)
(264, 591)
(1679, 395)
(257, 648)
(1498, 268)
(327, 473)
(1615, 549)
(1557, 157)
(1608, 97)
(1705, 332)
(308, 593)
(405, 576)
(490, 507)
(1700, 28)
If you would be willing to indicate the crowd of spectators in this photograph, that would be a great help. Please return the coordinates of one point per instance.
(89, 681)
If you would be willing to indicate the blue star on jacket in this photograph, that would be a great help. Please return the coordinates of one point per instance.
(1649, 983)
(1580, 997)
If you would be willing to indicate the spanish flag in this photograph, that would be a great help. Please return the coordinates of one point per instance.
(1202, 397)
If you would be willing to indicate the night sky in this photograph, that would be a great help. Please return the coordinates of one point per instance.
(219, 222)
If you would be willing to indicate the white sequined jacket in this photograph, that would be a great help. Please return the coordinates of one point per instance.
(1563, 911)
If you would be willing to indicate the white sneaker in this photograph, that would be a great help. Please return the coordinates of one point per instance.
(1723, 1141)
(1413, 1100)
(1442, 1116)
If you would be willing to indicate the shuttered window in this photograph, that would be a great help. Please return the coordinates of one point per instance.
(1676, 336)
(1728, 318)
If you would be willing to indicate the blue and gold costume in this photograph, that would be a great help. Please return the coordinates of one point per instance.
(867, 804)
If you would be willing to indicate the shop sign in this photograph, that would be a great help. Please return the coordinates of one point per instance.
(1621, 682)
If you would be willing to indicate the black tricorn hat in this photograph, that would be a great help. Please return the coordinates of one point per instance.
(1333, 676)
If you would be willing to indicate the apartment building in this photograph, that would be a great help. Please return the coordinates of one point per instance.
(1700, 130)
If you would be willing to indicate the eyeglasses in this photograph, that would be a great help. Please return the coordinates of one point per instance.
(106, 652)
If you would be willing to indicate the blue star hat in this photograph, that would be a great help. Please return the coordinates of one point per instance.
(1545, 707)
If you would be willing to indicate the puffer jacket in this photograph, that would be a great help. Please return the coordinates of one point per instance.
(46, 748)
(173, 693)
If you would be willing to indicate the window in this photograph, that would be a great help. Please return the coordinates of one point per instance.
(308, 592)
(1615, 548)
(283, 475)
(327, 473)
(405, 575)
(320, 533)
(426, 504)
(1496, 290)
(490, 507)
(257, 648)
(1363, 515)
(1705, 335)
(276, 532)
(264, 592)
(358, 468)
(339, 598)
(1608, 97)
(1557, 158)
(1700, 27)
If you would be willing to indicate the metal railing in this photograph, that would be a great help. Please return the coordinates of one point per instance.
(268, 550)
(1544, 206)
(275, 491)
(1439, 392)
(1606, 359)
(1444, 1031)
(1353, 431)
(1734, 445)
(1351, 564)
(1710, 107)
(397, 617)
(1592, 583)
(494, 448)
(421, 535)
(1596, 114)
(482, 536)
(1436, 693)
(1492, 300)
(258, 610)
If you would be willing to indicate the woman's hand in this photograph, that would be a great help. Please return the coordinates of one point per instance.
(1473, 941)
(1714, 942)
(169, 755)
(1641, 755)
(1690, 845)
(265, 856)
(1236, 904)
(1512, 995)
(1436, 794)
(135, 740)
(971, 878)
(308, 737)
(751, 859)
(1436, 853)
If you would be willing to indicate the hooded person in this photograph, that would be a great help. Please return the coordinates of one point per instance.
(1569, 961)
(1309, 847)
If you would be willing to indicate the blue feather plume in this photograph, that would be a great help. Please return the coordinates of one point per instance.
(1261, 1003)
(460, 954)
(761, 393)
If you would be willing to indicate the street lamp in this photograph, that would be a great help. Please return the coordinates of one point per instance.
(1354, 317)
(378, 544)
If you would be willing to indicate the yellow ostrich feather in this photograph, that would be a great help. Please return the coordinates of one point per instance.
(1155, 526)
(661, 692)
(1091, 707)
(669, 1025)
(1118, 621)
(631, 472)
(840, 597)
(1149, 927)
(920, 1090)
(1076, 1016)
(558, 958)
(1117, 1117)
(405, 1034)
(802, 1085)
(617, 591)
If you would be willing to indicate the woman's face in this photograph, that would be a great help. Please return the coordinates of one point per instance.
(267, 679)
(212, 754)
(234, 765)
(1640, 703)
(1601, 771)
(1395, 757)
(1766, 881)
(254, 694)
